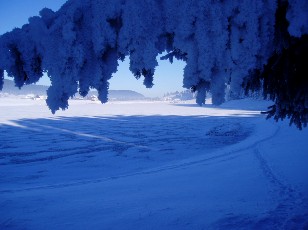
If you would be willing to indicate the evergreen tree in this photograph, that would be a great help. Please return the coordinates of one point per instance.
(284, 78)
(222, 42)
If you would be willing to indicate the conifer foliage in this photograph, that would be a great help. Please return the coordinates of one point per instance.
(284, 79)
(222, 42)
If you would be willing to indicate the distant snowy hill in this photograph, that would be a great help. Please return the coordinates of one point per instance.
(125, 94)
(10, 88)
(121, 95)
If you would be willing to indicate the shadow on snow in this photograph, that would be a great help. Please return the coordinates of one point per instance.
(32, 140)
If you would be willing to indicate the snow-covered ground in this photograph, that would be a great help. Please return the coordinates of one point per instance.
(150, 165)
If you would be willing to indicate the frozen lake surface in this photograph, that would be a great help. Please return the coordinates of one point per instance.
(150, 165)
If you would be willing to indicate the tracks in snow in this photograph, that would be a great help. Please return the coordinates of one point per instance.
(226, 155)
(291, 209)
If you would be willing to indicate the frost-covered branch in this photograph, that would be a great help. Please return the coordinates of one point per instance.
(79, 46)
(284, 78)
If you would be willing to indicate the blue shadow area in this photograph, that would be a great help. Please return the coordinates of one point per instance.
(34, 140)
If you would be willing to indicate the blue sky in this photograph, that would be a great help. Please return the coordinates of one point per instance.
(168, 77)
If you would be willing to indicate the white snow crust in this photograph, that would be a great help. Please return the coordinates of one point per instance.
(150, 165)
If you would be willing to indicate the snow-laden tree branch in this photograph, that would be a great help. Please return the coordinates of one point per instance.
(80, 45)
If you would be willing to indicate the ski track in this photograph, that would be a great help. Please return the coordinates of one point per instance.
(56, 148)
(287, 210)
(106, 139)
(291, 210)
(228, 155)
(291, 205)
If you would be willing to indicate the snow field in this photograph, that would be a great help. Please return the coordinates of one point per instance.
(150, 165)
